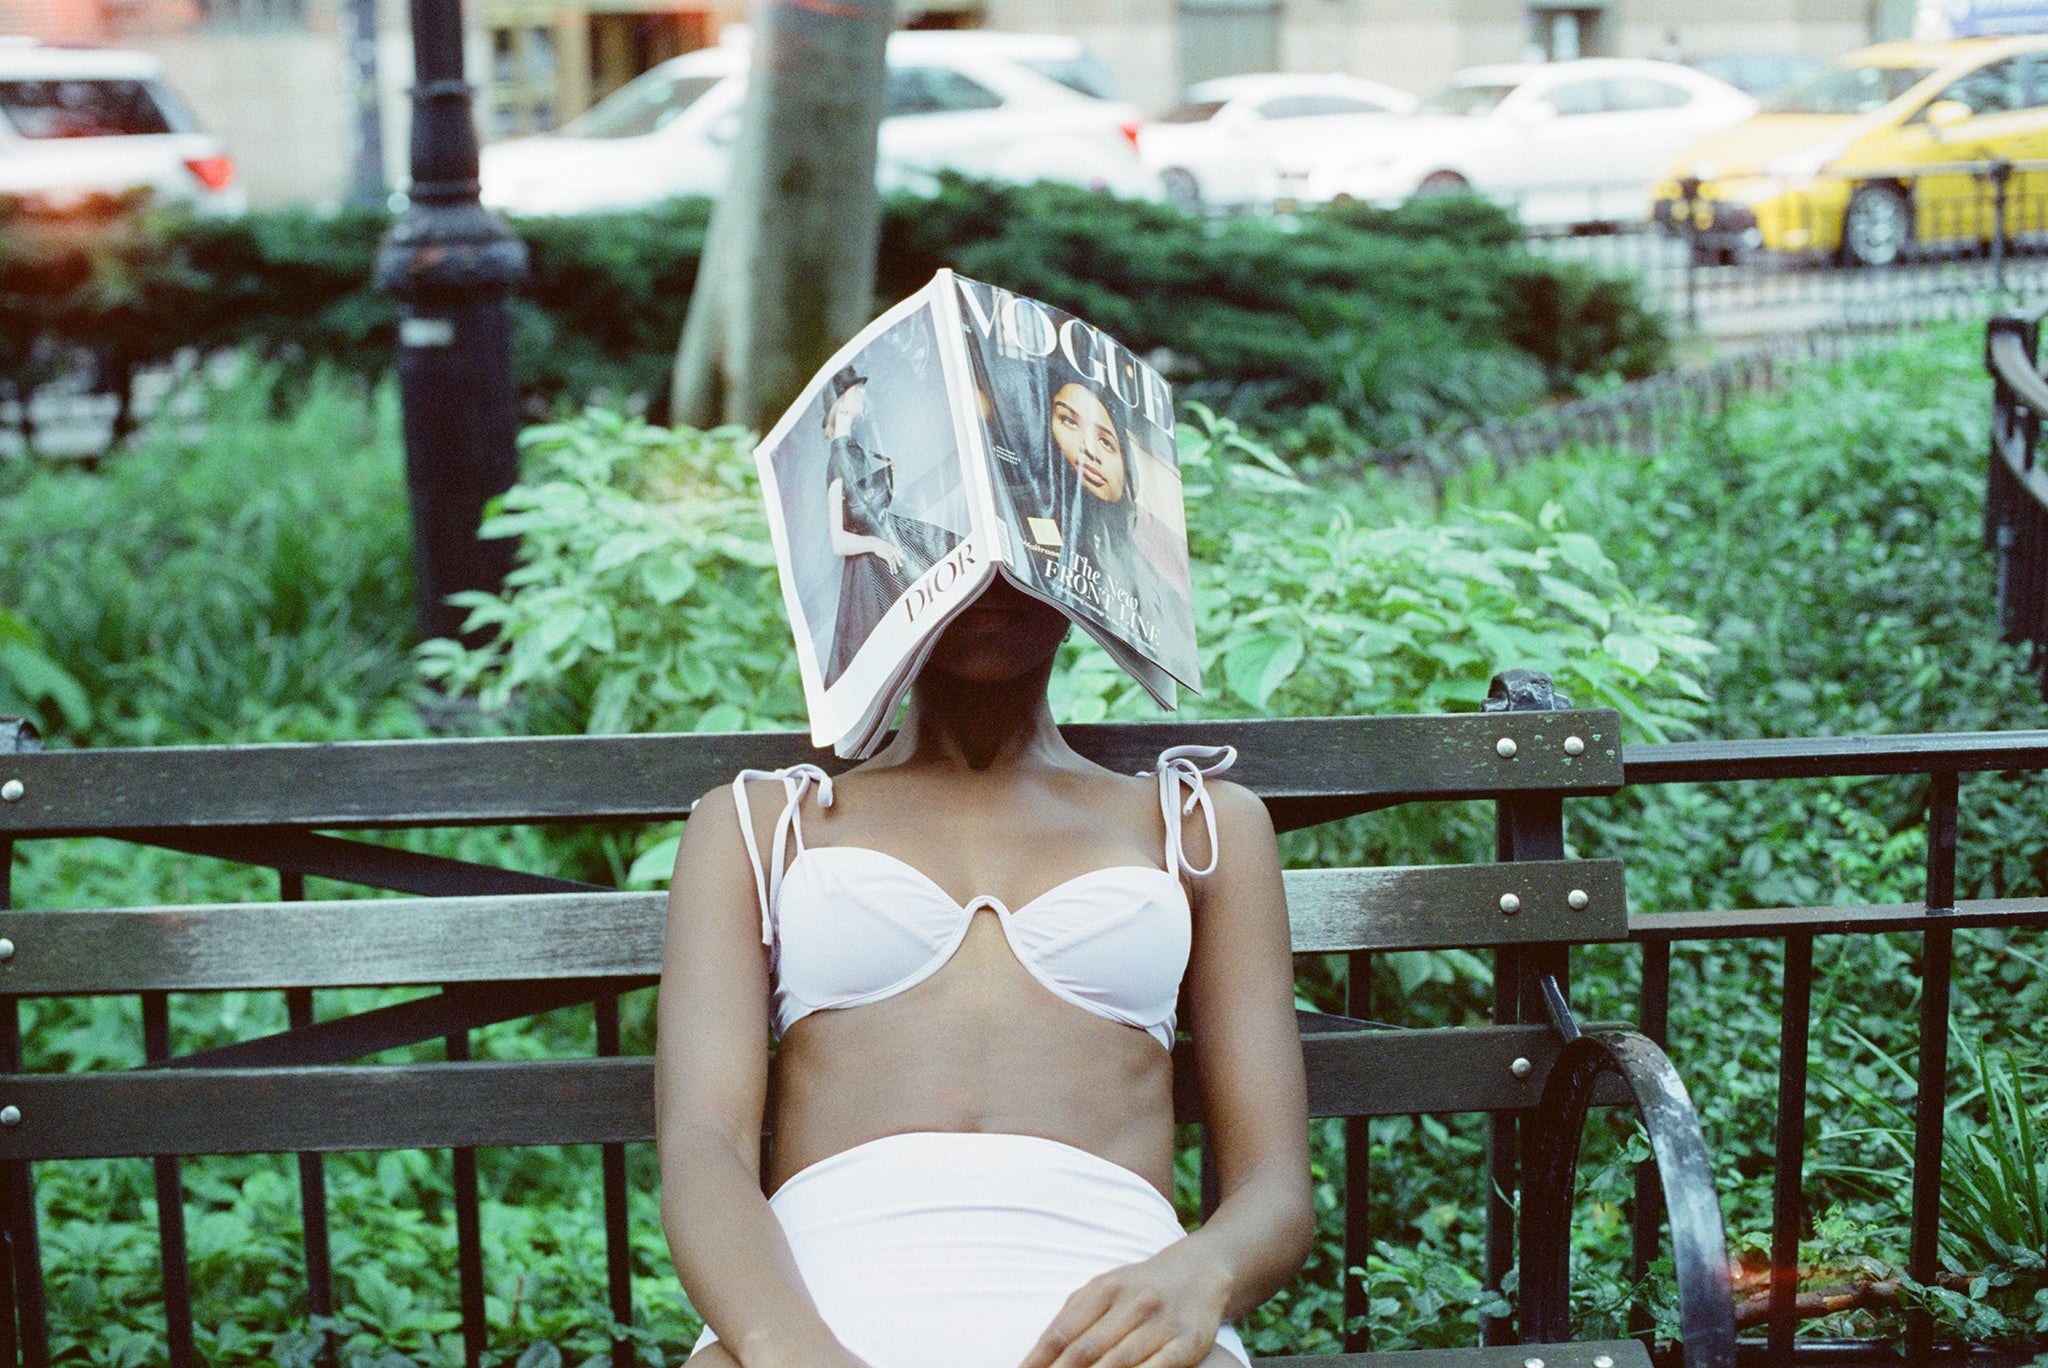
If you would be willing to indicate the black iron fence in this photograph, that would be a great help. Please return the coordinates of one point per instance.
(2016, 490)
(1769, 254)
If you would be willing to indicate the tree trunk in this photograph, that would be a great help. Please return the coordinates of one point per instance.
(788, 270)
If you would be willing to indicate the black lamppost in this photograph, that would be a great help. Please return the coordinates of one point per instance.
(452, 265)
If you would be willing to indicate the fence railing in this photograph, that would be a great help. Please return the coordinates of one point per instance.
(1940, 760)
(1885, 244)
(2016, 487)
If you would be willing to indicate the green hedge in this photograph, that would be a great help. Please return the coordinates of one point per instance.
(1348, 328)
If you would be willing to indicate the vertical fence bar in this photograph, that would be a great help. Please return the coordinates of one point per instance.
(469, 1238)
(1789, 1154)
(618, 1246)
(1503, 1132)
(298, 1008)
(170, 1203)
(1930, 1105)
(2001, 180)
(1357, 1175)
(26, 1322)
(1649, 1196)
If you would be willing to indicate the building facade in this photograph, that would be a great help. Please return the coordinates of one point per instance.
(1160, 47)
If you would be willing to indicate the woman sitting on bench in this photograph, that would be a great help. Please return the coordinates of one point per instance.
(971, 948)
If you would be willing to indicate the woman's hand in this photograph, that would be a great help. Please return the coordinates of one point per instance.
(1161, 1313)
(891, 555)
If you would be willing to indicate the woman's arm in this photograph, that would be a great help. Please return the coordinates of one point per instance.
(710, 1088)
(847, 543)
(1165, 1311)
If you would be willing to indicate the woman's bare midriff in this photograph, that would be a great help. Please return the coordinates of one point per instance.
(979, 1046)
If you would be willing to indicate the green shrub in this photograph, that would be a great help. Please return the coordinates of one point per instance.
(246, 578)
(1828, 540)
(1378, 325)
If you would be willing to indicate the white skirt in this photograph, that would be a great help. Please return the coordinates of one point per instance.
(945, 1249)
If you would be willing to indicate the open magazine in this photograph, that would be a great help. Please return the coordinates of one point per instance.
(970, 432)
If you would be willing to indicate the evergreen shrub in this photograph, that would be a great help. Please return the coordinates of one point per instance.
(1346, 327)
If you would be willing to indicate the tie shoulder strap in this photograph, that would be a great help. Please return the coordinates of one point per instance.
(797, 780)
(1184, 768)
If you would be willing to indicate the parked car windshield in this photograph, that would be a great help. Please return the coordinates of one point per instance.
(1465, 100)
(1846, 90)
(74, 108)
(1085, 74)
(1201, 111)
(641, 106)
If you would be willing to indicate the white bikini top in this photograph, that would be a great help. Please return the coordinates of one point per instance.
(849, 925)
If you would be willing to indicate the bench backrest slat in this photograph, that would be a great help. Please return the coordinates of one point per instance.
(1306, 769)
(587, 1101)
(375, 941)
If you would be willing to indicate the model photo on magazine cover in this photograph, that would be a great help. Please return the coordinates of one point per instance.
(871, 490)
(1086, 465)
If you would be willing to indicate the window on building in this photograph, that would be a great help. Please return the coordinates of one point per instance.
(1565, 33)
(524, 92)
(253, 13)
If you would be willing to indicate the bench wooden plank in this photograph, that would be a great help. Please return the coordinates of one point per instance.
(349, 942)
(587, 1101)
(1308, 769)
(1430, 907)
(1861, 919)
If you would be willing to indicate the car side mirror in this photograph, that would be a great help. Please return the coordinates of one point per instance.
(1947, 113)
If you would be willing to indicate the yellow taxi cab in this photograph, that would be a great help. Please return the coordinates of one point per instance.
(1885, 147)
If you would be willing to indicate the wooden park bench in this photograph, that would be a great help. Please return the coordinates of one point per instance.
(503, 945)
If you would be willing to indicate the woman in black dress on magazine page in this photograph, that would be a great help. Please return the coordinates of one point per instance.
(881, 551)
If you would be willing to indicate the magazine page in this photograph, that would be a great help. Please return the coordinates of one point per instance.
(870, 515)
(1079, 435)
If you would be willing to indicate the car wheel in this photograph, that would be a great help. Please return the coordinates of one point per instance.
(1180, 187)
(1442, 183)
(1876, 227)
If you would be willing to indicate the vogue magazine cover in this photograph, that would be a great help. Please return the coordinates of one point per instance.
(968, 432)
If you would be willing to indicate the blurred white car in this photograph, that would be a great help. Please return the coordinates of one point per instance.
(1005, 106)
(1223, 145)
(86, 125)
(1562, 142)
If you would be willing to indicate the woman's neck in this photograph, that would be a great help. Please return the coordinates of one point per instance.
(968, 724)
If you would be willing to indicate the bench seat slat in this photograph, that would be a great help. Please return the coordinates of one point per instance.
(350, 942)
(588, 1101)
(1306, 769)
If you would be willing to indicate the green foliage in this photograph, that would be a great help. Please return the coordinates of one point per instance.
(1335, 331)
(1378, 325)
(645, 597)
(1828, 540)
(1824, 537)
(251, 583)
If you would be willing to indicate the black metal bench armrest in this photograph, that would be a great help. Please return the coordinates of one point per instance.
(1698, 1244)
